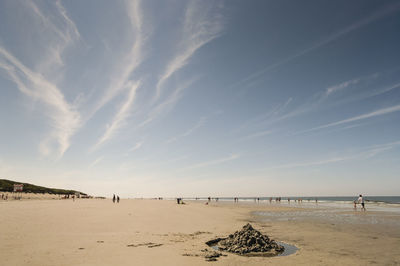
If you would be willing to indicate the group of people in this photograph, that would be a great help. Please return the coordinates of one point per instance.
(115, 198)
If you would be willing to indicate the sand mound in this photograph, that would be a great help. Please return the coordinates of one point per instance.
(248, 241)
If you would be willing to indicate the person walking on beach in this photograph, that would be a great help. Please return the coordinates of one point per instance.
(361, 200)
(113, 198)
(117, 199)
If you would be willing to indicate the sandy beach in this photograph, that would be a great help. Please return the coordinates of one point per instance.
(161, 232)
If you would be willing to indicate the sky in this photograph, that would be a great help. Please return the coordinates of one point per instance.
(201, 98)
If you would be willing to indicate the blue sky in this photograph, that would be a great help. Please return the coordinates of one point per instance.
(199, 98)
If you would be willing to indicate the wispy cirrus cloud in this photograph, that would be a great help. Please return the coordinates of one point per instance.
(120, 117)
(321, 99)
(375, 113)
(213, 162)
(257, 135)
(311, 163)
(95, 162)
(381, 13)
(341, 86)
(202, 24)
(169, 103)
(121, 79)
(136, 146)
(58, 31)
(365, 153)
(65, 119)
(199, 124)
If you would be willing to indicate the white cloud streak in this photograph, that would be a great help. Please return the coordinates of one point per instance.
(257, 135)
(213, 162)
(169, 103)
(200, 27)
(199, 124)
(95, 162)
(62, 32)
(368, 153)
(131, 61)
(341, 86)
(379, 112)
(65, 118)
(136, 146)
(388, 10)
(120, 117)
(311, 163)
(384, 90)
(320, 99)
(122, 80)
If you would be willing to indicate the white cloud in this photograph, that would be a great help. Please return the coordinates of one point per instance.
(257, 134)
(341, 86)
(169, 103)
(65, 118)
(386, 11)
(202, 24)
(213, 162)
(121, 80)
(379, 112)
(136, 146)
(57, 32)
(384, 90)
(368, 153)
(120, 117)
(95, 162)
(199, 124)
(311, 163)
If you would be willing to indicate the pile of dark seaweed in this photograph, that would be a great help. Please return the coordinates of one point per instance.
(247, 241)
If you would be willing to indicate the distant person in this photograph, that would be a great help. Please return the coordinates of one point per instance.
(209, 199)
(355, 205)
(361, 200)
(113, 198)
(117, 199)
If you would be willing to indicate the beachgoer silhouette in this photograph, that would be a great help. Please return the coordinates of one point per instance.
(361, 200)
(117, 199)
(113, 198)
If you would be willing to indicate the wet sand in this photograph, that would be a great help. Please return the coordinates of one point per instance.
(151, 232)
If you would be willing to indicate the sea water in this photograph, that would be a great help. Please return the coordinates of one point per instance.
(381, 210)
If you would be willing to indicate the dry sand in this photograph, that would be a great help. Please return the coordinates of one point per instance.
(151, 232)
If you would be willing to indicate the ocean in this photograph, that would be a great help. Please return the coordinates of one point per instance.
(343, 199)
